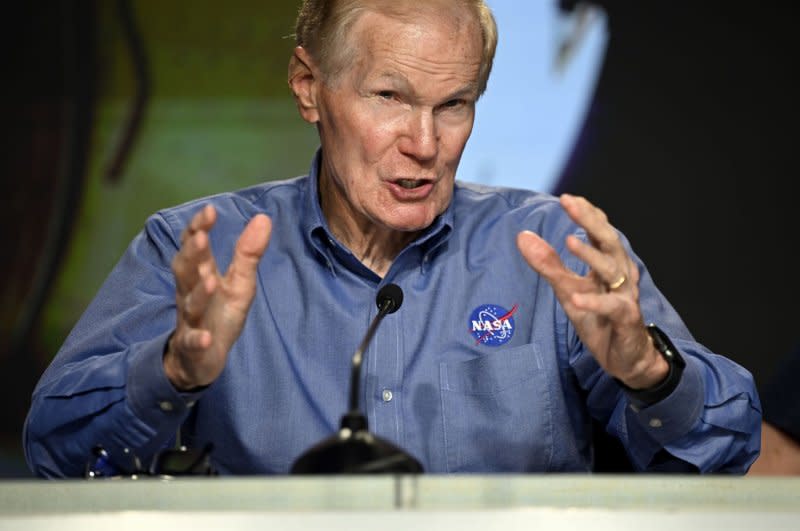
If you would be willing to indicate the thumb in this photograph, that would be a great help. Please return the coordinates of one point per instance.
(540, 256)
(250, 248)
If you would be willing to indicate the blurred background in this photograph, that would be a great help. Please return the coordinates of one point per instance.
(677, 119)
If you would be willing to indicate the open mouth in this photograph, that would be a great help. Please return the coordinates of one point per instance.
(410, 184)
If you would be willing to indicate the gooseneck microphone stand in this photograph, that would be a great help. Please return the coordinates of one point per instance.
(353, 449)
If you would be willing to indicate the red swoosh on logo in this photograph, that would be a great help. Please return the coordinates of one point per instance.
(511, 312)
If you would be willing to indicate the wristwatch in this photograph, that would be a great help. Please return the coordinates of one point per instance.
(651, 395)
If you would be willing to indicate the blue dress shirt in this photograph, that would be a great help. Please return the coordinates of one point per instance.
(479, 371)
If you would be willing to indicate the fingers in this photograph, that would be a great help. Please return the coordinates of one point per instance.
(605, 254)
(194, 255)
(595, 221)
(249, 248)
(614, 307)
(211, 308)
(607, 320)
(196, 301)
(600, 262)
(195, 268)
(609, 270)
(201, 222)
(195, 251)
(541, 256)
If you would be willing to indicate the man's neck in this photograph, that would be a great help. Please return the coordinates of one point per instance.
(374, 245)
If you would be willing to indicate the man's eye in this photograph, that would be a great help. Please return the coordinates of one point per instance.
(386, 94)
(453, 103)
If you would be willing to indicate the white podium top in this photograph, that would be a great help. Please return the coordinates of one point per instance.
(564, 501)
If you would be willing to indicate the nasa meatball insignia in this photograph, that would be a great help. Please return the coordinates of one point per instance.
(492, 325)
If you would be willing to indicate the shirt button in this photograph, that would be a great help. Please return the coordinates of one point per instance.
(165, 405)
(655, 423)
(386, 395)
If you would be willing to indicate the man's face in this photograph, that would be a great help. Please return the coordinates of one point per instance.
(393, 124)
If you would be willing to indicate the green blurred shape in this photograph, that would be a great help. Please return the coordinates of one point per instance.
(220, 118)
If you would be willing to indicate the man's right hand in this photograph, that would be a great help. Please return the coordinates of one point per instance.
(212, 307)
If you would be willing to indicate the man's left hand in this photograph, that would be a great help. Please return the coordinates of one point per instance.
(604, 304)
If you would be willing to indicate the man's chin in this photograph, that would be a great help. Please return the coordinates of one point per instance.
(409, 217)
(410, 223)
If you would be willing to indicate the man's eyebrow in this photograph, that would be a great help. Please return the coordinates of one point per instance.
(398, 79)
(470, 89)
(394, 77)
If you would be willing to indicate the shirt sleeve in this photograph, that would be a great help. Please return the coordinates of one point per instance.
(107, 386)
(711, 421)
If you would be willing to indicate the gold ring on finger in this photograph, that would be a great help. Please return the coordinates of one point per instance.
(617, 283)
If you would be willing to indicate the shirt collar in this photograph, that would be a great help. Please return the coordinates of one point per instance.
(313, 218)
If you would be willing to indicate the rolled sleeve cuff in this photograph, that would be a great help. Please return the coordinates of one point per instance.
(676, 415)
(151, 396)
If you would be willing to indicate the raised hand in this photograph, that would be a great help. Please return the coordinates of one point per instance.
(603, 305)
(211, 307)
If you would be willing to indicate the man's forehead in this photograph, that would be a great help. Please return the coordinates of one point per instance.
(391, 47)
(394, 60)
(453, 14)
(382, 32)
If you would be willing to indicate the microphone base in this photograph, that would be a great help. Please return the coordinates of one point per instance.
(355, 452)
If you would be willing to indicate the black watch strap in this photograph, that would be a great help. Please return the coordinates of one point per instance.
(652, 395)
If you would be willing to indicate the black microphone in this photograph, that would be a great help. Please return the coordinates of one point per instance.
(353, 449)
(389, 299)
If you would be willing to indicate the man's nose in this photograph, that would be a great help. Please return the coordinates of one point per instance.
(421, 138)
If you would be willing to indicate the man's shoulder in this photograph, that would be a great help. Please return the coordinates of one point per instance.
(478, 206)
(243, 203)
(472, 196)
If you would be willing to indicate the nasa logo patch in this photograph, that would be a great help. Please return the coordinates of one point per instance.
(492, 325)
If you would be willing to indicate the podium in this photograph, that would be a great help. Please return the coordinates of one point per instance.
(553, 501)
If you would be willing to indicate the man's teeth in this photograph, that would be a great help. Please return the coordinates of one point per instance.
(409, 183)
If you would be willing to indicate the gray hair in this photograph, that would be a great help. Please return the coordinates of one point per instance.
(322, 26)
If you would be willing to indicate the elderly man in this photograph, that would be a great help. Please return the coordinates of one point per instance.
(525, 316)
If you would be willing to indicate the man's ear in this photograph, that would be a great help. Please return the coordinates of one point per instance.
(304, 81)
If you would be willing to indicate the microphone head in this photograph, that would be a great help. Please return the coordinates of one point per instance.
(389, 298)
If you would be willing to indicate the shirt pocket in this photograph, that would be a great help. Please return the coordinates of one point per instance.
(496, 412)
